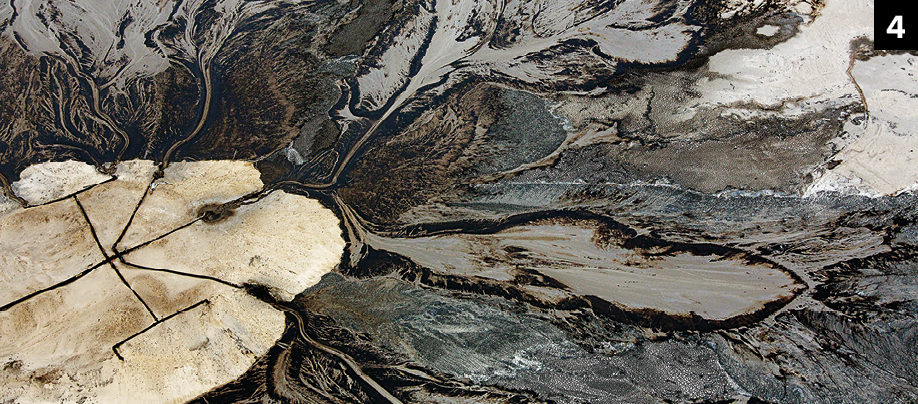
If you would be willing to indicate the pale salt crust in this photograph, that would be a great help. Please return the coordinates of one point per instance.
(46, 182)
(768, 30)
(57, 346)
(809, 73)
(883, 159)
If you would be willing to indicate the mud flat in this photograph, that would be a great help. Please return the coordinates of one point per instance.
(636, 273)
(80, 321)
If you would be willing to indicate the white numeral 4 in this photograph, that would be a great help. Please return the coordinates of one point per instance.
(895, 27)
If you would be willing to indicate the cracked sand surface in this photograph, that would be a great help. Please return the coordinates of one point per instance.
(178, 315)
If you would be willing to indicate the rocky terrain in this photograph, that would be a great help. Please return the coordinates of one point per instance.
(285, 201)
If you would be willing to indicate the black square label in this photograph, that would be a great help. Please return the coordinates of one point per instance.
(895, 25)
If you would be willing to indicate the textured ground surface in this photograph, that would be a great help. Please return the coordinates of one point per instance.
(567, 201)
(162, 314)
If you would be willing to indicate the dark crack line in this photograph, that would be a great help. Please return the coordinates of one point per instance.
(53, 287)
(73, 195)
(180, 273)
(75, 277)
(157, 238)
(120, 256)
(158, 322)
(92, 229)
(131, 219)
(125, 282)
(243, 200)
(108, 259)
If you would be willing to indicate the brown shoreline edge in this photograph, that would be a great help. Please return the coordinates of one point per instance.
(382, 262)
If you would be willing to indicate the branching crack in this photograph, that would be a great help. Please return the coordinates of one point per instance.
(133, 213)
(137, 295)
(117, 255)
(158, 322)
(108, 259)
(52, 287)
(74, 195)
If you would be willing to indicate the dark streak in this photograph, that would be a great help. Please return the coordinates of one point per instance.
(131, 219)
(125, 282)
(108, 259)
(210, 278)
(73, 195)
(115, 347)
(50, 288)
